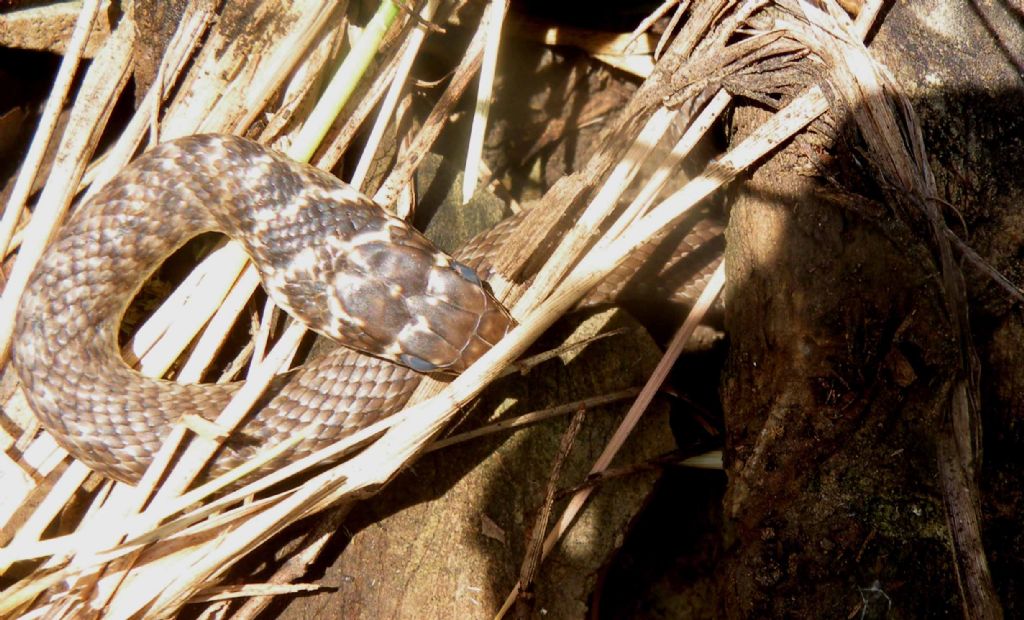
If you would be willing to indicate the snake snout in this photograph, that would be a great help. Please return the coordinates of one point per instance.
(457, 321)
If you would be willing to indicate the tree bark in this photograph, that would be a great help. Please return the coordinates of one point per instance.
(843, 357)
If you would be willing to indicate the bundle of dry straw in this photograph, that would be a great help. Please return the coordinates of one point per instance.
(147, 551)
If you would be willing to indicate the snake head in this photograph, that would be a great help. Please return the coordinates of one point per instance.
(375, 284)
(402, 299)
(413, 304)
(455, 320)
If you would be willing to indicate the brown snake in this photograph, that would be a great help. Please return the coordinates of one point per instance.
(326, 254)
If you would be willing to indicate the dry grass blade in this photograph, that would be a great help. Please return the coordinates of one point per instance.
(525, 364)
(660, 176)
(170, 329)
(141, 528)
(666, 36)
(708, 460)
(494, 18)
(47, 123)
(343, 84)
(569, 514)
(648, 21)
(220, 593)
(284, 59)
(794, 117)
(532, 418)
(600, 208)
(331, 152)
(213, 337)
(201, 448)
(387, 107)
(162, 319)
(194, 22)
(42, 516)
(420, 145)
(534, 552)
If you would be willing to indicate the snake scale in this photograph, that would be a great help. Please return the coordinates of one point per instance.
(326, 254)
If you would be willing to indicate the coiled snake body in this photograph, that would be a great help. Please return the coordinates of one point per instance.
(326, 254)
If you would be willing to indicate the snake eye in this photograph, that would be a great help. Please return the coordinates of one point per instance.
(466, 272)
(417, 363)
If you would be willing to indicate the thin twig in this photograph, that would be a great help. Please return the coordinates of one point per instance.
(533, 555)
(648, 21)
(657, 377)
(343, 84)
(533, 417)
(667, 35)
(420, 146)
(493, 18)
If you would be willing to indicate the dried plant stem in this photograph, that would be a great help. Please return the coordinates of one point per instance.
(330, 153)
(230, 73)
(600, 207)
(142, 527)
(262, 336)
(869, 11)
(47, 122)
(534, 417)
(420, 146)
(297, 566)
(201, 449)
(648, 21)
(387, 107)
(657, 180)
(708, 460)
(524, 365)
(672, 23)
(209, 344)
(43, 515)
(106, 76)
(535, 549)
(162, 319)
(343, 84)
(187, 320)
(640, 405)
(493, 18)
(283, 61)
(195, 21)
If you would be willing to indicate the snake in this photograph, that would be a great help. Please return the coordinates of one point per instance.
(326, 254)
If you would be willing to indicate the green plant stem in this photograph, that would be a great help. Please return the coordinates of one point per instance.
(343, 83)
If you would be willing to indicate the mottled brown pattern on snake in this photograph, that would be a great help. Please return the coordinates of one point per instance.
(321, 249)
(329, 256)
